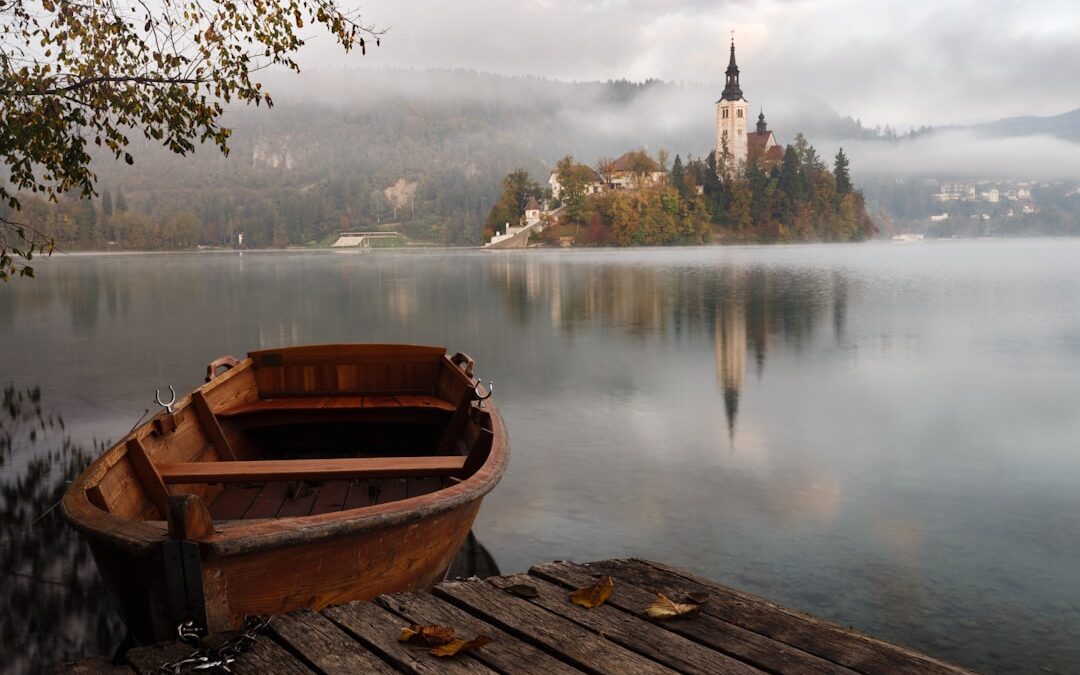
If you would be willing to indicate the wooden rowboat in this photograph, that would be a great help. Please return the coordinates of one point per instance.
(299, 477)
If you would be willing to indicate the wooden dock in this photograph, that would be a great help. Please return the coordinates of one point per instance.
(541, 631)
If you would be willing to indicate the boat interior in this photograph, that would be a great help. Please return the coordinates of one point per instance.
(301, 432)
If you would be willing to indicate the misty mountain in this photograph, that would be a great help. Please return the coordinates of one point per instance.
(1065, 126)
(427, 150)
(403, 123)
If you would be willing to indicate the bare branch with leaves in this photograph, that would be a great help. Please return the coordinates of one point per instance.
(74, 74)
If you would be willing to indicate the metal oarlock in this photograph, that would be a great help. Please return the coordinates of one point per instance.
(476, 390)
(168, 406)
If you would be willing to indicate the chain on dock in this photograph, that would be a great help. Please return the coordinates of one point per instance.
(217, 659)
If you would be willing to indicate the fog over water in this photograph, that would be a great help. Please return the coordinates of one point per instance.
(882, 434)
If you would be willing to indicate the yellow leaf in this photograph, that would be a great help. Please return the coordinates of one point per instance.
(664, 608)
(457, 645)
(595, 595)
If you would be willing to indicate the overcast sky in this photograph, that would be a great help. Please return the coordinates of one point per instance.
(901, 62)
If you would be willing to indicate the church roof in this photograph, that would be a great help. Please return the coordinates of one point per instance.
(775, 153)
(532, 205)
(757, 142)
(732, 90)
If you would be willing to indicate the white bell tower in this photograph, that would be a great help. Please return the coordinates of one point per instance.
(731, 120)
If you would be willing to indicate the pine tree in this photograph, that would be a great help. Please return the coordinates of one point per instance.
(840, 171)
(106, 203)
(121, 203)
(678, 176)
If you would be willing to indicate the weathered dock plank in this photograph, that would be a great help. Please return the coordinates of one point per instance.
(505, 653)
(565, 639)
(827, 640)
(630, 631)
(378, 629)
(150, 657)
(538, 630)
(322, 644)
(743, 644)
(266, 656)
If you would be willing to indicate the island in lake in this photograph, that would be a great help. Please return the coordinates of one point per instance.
(749, 188)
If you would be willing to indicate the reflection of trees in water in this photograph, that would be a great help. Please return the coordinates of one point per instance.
(54, 605)
(744, 308)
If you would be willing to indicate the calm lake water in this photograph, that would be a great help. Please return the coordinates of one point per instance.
(886, 435)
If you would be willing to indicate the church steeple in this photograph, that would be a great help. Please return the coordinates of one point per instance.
(732, 91)
(762, 128)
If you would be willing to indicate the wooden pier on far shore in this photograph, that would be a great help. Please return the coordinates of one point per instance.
(538, 630)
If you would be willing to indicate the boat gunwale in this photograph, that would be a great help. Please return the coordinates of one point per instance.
(237, 537)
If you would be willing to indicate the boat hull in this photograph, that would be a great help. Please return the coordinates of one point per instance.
(308, 575)
(219, 570)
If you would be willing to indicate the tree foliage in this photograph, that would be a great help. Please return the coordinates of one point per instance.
(840, 171)
(574, 180)
(78, 75)
(796, 199)
(518, 188)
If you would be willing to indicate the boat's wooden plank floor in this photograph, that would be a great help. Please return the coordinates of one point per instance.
(734, 632)
(284, 499)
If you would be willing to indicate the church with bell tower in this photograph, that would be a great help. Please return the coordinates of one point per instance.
(731, 135)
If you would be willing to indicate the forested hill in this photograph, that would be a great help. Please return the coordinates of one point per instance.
(347, 150)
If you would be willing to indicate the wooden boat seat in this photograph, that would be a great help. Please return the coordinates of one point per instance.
(336, 404)
(310, 469)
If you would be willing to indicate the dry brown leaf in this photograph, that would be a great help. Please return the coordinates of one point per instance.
(523, 591)
(664, 608)
(457, 645)
(595, 595)
(429, 635)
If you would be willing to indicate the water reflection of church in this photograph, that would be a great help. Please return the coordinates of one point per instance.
(729, 336)
(741, 309)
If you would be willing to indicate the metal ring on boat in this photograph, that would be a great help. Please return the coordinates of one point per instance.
(168, 406)
(476, 390)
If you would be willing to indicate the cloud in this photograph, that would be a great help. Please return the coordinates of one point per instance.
(962, 153)
(900, 62)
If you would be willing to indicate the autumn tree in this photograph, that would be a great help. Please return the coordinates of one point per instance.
(574, 180)
(80, 75)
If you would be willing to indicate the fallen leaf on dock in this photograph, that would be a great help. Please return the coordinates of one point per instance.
(664, 608)
(523, 591)
(429, 635)
(457, 645)
(595, 595)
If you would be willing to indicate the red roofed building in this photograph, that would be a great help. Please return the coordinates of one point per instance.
(762, 146)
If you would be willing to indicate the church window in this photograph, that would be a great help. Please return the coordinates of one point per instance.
(738, 113)
(725, 112)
